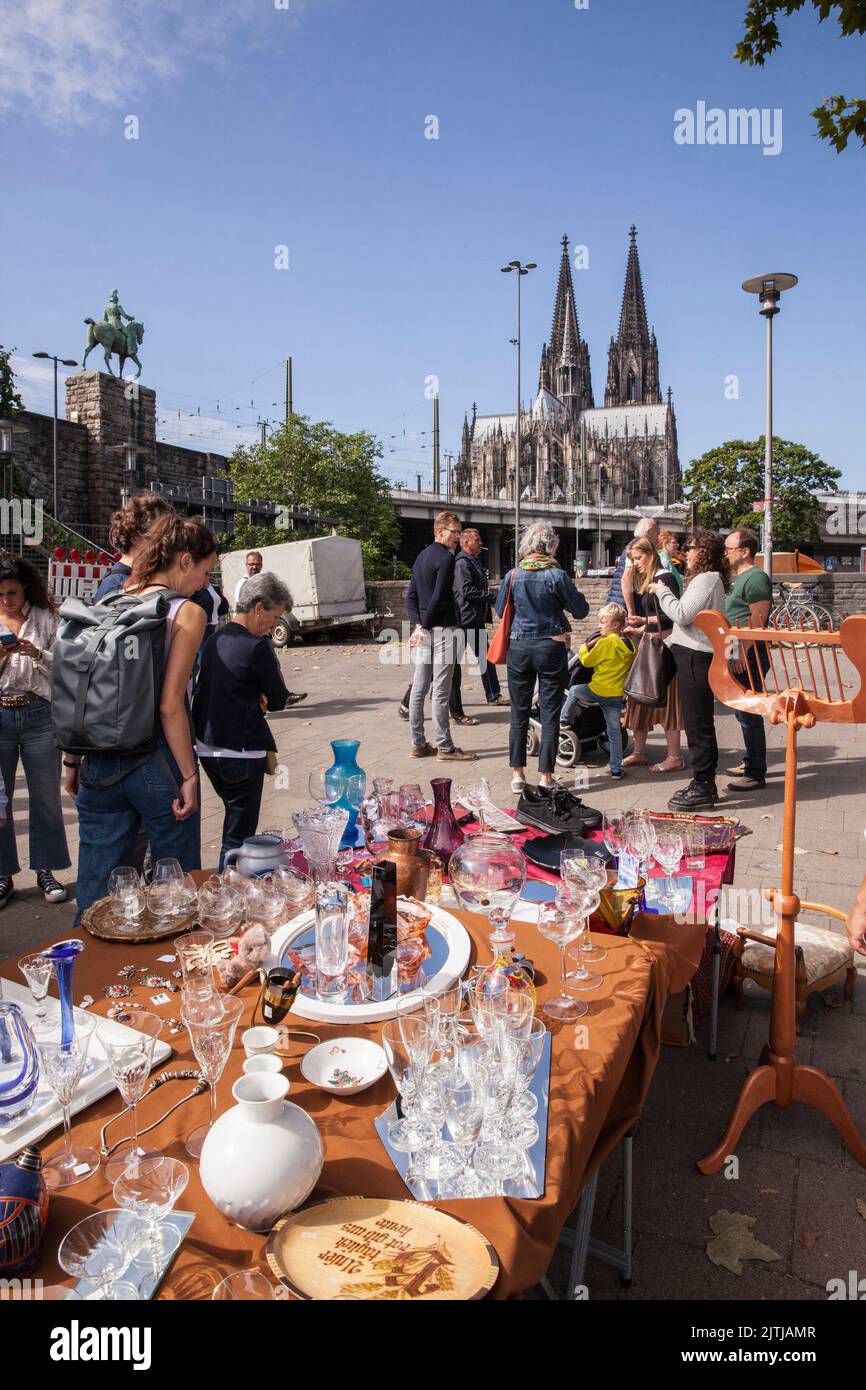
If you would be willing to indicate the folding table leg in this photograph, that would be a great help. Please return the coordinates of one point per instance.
(714, 996)
(580, 1238)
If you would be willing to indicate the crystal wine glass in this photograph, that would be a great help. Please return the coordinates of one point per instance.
(585, 871)
(149, 1187)
(63, 1066)
(38, 971)
(101, 1248)
(668, 853)
(583, 900)
(244, 1284)
(612, 832)
(130, 1059)
(464, 1114)
(561, 925)
(326, 785)
(411, 1133)
(211, 1039)
(126, 891)
(413, 805)
(640, 837)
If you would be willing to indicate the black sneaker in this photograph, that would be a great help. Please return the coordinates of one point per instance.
(591, 818)
(51, 890)
(5, 890)
(551, 811)
(695, 797)
(295, 699)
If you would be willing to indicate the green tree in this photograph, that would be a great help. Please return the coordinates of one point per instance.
(10, 401)
(312, 464)
(726, 480)
(838, 117)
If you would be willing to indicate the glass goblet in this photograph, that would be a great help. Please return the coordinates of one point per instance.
(212, 1039)
(126, 891)
(326, 785)
(561, 925)
(246, 1284)
(149, 1187)
(668, 853)
(63, 1066)
(38, 972)
(101, 1248)
(130, 1059)
(464, 1114)
(411, 1133)
(612, 831)
(585, 871)
(584, 902)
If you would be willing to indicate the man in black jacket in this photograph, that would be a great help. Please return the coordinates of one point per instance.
(473, 610)
(436, 639)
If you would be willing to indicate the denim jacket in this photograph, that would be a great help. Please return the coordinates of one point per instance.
(541, 600)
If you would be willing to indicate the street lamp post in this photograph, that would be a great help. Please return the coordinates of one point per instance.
(769, 290)
(67, 362)
(521, 271)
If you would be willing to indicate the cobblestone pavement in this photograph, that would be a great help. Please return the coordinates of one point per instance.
(795, 1176)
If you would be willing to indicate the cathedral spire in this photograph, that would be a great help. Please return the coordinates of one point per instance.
(633, 359)
(565, 359)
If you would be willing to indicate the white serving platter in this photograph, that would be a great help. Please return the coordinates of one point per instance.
(45, 1114)
(451, 948)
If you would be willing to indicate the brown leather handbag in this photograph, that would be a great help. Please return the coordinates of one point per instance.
(652, 670)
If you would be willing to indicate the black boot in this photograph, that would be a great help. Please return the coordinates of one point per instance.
(697, 796)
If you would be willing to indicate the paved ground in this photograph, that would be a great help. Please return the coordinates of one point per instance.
(795, 1177)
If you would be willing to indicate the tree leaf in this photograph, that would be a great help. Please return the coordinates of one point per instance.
(734, 1242)
(861, 1207)
(808, 1238)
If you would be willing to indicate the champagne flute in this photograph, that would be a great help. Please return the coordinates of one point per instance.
(130, 1060)
(63, 1065)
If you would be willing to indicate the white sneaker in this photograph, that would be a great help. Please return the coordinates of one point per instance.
(518, 784)
(51, 890)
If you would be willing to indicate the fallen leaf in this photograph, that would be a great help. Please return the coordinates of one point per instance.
(734, 1242)
(769, 1192)
(797, 849)
(828, 851)
(767, 818)
(808, 1238)
(861, 1207)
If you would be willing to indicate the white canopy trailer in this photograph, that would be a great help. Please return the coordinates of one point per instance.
(325, 577)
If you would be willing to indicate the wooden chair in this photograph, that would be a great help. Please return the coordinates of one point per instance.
(803, 686)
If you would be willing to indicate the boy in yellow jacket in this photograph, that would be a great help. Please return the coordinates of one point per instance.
(609, 656)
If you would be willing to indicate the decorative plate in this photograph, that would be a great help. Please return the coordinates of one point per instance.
(450, 946)
(720, 832)
(99, 920)
(375, 1249)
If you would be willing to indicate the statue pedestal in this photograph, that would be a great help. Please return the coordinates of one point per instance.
(114, 413)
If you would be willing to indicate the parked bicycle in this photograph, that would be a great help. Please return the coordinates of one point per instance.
(797, 608)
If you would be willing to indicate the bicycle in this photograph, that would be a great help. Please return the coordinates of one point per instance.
(797, 608)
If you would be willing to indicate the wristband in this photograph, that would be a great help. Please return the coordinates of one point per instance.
(72, 764)
(189, 778)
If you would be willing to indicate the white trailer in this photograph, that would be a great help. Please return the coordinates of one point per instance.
(325, 577)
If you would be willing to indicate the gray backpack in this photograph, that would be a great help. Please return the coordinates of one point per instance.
(109, 661)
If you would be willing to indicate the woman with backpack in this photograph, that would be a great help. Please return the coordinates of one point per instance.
(28, 628)
(119, 791)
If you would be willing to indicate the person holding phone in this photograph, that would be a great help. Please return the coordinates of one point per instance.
(28, 628)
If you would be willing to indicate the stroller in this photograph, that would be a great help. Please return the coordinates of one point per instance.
(587, 731)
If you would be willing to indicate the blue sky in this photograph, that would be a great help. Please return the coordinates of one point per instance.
(305, 127)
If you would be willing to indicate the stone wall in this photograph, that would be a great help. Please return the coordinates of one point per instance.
(391, 594)
(843, 592)
(34, 467)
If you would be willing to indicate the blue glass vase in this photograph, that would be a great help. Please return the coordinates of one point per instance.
(19, 1064)
(63, 956)
(345, 750)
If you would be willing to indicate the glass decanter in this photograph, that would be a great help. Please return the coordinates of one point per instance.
(505, 984)
(444, 835)
(380, 814)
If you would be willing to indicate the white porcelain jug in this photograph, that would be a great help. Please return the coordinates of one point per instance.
(259, 854)
(263, 1157)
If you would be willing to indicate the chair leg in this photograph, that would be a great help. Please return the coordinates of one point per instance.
(739, 993)
(850, 981)
(714, 999)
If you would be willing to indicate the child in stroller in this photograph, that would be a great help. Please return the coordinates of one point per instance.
(583, 725)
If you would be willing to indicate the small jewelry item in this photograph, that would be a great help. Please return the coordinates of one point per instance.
(126, 972)
(86, 1002)
(116, 991)
(118, 1013)
(157, 982)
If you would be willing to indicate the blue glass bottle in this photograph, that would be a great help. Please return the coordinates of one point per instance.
(345, 750)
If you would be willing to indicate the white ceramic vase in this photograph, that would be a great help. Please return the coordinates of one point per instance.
(263, 1157)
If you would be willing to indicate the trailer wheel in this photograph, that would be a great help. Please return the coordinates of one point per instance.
(533, 742)
(282, 635)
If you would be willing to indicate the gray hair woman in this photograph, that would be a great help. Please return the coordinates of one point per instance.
(542, 594)
(240, 679)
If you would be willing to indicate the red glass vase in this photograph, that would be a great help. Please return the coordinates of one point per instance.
(444, 834)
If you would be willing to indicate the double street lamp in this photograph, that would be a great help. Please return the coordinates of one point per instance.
(769, 290)
(521, 271)
(67, 362)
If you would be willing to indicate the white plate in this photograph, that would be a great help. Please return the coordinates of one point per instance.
(365, 1060)
(451, 966)
(45, 1114)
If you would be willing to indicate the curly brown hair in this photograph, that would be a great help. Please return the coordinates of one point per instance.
(131, 523)
(35, 588)
(711, 556)
(168, 538)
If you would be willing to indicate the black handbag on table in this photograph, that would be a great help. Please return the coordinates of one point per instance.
(652, 670)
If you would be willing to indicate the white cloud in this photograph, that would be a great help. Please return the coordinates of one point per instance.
(65, 60)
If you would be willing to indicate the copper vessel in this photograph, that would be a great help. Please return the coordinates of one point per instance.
(412, 862)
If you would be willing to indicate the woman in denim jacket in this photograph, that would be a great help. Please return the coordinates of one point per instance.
(542, 594)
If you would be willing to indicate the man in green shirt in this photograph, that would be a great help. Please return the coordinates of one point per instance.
(748, 605)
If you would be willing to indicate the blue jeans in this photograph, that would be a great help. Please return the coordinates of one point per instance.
(752, 725)
(611, 708)
(238, 783)
(109, 819)
(27, 732)
(546, 661)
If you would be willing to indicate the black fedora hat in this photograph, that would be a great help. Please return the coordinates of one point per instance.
(545, 851)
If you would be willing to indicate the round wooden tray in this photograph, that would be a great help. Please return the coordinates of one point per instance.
(98, 919)
(376, 1249)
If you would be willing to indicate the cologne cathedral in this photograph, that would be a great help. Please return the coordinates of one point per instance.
(623, 455)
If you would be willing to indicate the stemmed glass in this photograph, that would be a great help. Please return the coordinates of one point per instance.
(131, 1061)
(37, 971)
(149, 1188)
(63, 1067)
(465, 1096)
(211, 1037)
(126, 891)
(406, 1063)
(585, 871)
(101, 1248)
(244, 1284)
(582, 900)
(497, 1156)
(561, 923)
(326, 785)
(413, 806)
(640, 835)
(476, 796)
(613, 832)
(668, 853)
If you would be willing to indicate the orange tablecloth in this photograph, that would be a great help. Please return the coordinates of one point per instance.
(596, 1094)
